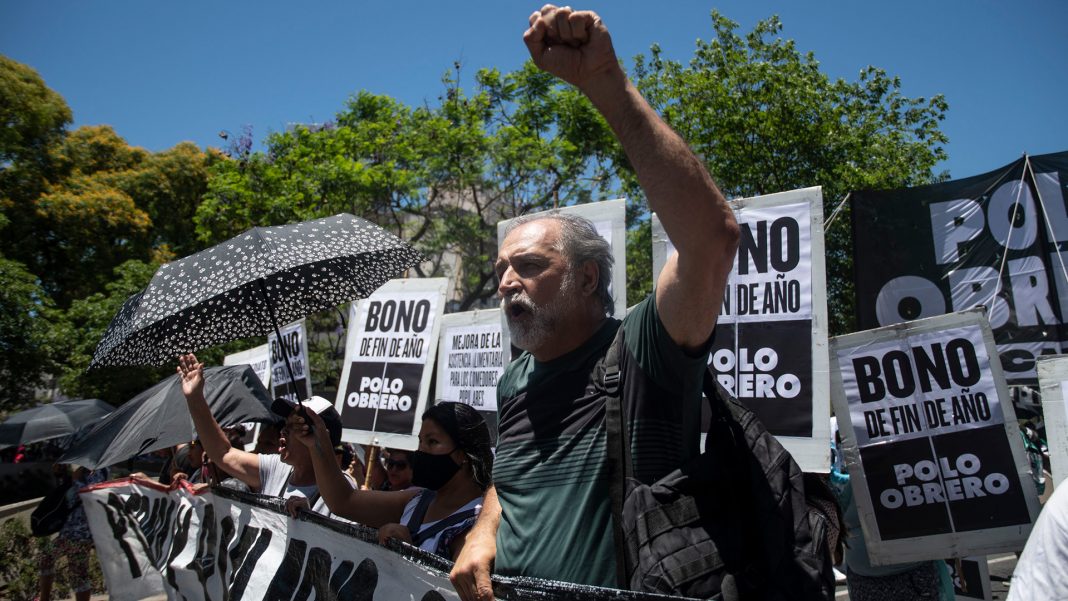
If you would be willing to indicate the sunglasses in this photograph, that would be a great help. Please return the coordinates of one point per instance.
(391, 464)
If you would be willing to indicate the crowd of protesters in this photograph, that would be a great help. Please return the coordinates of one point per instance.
(554, 281)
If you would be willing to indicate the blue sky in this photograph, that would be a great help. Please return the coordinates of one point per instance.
(163, 72)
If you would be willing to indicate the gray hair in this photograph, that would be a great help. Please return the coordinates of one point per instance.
(579, 242)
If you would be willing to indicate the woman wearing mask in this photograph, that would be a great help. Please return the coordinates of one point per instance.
(450, 473)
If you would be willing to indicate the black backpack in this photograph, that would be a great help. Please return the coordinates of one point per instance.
(51, 513)
(733, 523)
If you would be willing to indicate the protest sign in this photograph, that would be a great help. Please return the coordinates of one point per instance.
(930, 440)
(296, 349)
(218, 544)
(471, 361)
(994, 239)
(609, 218)
(770, 349)
(971, 578)
(389, 356)
(258, 358)
(1053, 382)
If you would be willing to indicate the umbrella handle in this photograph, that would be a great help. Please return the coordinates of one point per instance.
(281, 344)
(301, 411)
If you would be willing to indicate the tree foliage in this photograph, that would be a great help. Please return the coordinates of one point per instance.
(440, 176)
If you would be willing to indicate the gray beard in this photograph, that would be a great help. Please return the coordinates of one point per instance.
(541, 320)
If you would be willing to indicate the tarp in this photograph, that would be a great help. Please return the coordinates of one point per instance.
(993, 239)
(226, 545)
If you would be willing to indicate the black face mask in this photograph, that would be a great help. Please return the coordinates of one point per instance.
(432, 471)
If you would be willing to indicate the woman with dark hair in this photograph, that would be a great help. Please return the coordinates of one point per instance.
(450, 472)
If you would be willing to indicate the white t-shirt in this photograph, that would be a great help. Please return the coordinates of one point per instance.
(431, 544)
(1042, 570)
(274, 481)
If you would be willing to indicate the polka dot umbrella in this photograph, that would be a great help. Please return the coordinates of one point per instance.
(249, 284)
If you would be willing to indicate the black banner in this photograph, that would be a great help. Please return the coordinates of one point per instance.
(999, 239)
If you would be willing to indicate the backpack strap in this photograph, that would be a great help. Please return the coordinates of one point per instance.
(618, 449)
(726, 437)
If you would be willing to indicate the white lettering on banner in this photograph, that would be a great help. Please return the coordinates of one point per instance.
(153, 542)
(753, 379)
(380, 393)
(956, 222)
(940, 482)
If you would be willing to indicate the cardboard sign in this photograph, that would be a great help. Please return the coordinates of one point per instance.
(295, 344)
(770, 349)
(389, 356)
(470, 358)
(938, 471)
(258, 358)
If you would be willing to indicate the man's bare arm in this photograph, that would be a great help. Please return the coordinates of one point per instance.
(471, 573)
(238, 463)
(576, 46)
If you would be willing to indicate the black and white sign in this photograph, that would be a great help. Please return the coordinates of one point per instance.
(389, 357)
(995, 239)
(470, 360)
(938, 470)
(296, 349)
(258, 358)
(771, 335)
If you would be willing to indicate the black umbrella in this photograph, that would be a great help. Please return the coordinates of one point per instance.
(249, 284)
(159, 417)
(54, 420)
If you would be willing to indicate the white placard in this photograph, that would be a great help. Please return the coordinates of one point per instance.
(259, 358)
(296, 350)
(937, 469)
(389, 356)
(470, 358)
(1053, 383)
(770, 350)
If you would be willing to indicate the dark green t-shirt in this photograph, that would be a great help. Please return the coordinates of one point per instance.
(550, 470)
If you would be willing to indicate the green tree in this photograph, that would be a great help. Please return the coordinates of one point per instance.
(765, 119)
(439, 176)
(79, 329)
(26, 349)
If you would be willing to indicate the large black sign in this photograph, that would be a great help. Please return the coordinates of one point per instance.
(997, 239)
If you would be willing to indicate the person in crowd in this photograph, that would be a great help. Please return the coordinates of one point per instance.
(1041, 572)
(548, 513)
(398, 469)
(450, 472)
(286, 474)
(867, 582)
(267, 439)
(74, 541)
(181, 466)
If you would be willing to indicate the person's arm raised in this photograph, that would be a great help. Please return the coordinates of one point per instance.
(373, 508)
(576, 46)
(471, 573)
(240, 464)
